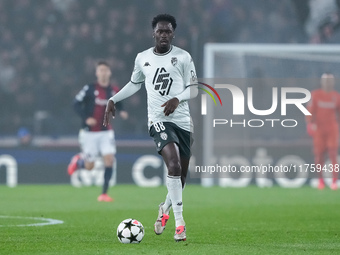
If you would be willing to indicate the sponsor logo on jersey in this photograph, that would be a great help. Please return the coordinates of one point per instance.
(329, 105)
(99, 101)
(162, 81)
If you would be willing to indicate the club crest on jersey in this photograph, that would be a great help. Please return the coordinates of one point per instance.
(174, 61)
(164, 136)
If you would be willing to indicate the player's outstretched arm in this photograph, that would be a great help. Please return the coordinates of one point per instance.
(128, 90)
(190, 92)
(110, 110)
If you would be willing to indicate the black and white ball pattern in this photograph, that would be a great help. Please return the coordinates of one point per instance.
(130, 231)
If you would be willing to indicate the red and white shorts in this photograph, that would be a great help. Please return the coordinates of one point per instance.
(94, 144)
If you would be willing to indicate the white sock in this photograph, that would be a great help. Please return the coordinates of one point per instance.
(167, 204)
(174, 186)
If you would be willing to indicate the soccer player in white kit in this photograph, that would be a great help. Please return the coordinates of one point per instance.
(167, 72)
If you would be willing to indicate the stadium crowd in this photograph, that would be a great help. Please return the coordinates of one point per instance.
(49, 48)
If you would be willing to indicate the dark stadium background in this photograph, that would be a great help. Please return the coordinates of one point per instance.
(49, 48)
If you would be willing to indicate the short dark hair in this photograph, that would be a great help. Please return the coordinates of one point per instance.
(164, 17)
(103, 62)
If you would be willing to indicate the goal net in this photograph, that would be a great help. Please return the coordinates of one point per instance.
(249, 137)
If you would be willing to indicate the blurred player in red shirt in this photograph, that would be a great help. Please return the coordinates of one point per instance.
(323, 125)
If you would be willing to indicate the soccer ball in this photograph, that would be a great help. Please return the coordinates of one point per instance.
(130, 231)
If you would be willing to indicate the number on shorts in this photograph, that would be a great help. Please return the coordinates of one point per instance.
(159, 126)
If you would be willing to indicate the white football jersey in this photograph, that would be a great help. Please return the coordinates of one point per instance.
(165, 76)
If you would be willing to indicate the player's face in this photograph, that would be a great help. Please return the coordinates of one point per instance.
(103, 74)
(327, 82)
(163, 34)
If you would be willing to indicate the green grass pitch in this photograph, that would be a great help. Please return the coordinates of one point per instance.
(219, 220)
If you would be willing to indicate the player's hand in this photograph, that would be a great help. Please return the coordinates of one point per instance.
(91, 121)
(311, 128)
(170, 106)
(110, 109)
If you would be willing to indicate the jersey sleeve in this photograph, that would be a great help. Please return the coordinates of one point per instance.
(79, 102)
(189, 77)
(119, 105)
(137, 73)
(189, 71)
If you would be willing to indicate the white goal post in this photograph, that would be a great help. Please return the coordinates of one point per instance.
(245, 58)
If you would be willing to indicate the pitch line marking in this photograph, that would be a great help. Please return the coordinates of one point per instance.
(48, 221)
